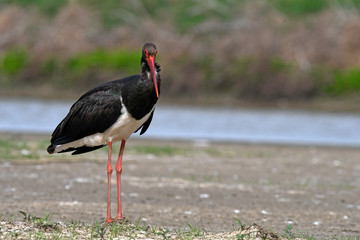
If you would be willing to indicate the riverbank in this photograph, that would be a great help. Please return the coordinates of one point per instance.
(347, 103)
(171, 184)
(227, 124)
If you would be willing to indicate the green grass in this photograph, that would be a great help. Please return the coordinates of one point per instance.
(299, 7)
(104, 59)
(88, 67)
(13, 61)
(349, 3)
(47, 7)
(279, 65)
(37, 220)
(19, 149)
(288, 232)
(46, 228)
(302, 8)
(13, 150)
(159, 150)
(346, 81)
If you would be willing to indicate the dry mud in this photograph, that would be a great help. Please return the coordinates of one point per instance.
(315, 189)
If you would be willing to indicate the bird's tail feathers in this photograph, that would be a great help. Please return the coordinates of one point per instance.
(51, 149)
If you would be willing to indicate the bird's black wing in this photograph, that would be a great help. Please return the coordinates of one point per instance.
(146, 124)
(93, 113)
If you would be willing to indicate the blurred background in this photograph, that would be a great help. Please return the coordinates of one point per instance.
(225, 52)
(234, 53)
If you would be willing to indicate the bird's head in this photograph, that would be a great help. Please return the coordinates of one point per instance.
(149, 54)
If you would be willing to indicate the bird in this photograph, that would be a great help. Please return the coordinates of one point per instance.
(109, 113)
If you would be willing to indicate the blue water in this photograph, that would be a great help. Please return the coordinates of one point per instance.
(202, 123)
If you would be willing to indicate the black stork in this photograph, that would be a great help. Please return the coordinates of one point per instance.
(109, 113)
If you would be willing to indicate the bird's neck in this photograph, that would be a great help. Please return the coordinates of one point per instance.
(147, 75)
(145, 69)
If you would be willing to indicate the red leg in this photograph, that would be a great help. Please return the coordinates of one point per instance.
(118, 179)
(109, 171)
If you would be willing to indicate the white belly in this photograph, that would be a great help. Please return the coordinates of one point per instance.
(124, 126)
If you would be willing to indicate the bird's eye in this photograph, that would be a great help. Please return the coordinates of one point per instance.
(155, 51)
(146, 52)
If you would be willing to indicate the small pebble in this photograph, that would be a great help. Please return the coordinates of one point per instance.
(317, 223)
(319, 195)
(10, 189)
(150, 156)
(265, 212)
(133, 195)
(336, 163)
(178, 197)
(204, 195)
(25, 152)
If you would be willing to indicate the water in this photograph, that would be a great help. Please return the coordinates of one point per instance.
(197, 123)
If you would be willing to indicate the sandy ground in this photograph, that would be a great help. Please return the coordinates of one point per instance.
(316, 189)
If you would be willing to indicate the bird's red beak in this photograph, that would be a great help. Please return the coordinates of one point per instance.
(151, 63)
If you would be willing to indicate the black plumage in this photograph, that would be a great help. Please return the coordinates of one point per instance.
(108, 113)
(99, 108)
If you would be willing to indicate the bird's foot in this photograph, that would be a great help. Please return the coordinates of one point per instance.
(121, 219)
(108, 220)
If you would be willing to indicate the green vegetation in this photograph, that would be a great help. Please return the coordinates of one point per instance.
(103, 59)
(37, 220)
(46, 228)
(346, 81)
(207, 49)
(87, 67)
(15, 149)
(349, 3)
(111, 13)
(159, 150)
(192, 13)
(300, 7)
(288, 232)
(48, 7)
(13, 61)
(280, 65)
(185, 15)
(11, 150)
